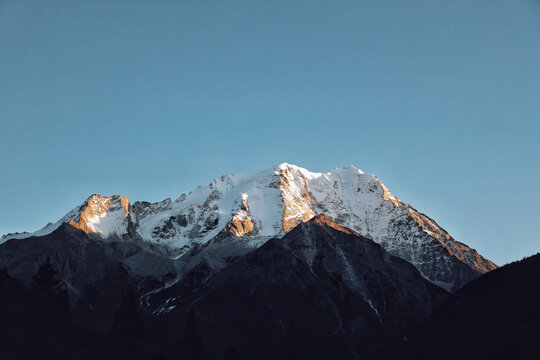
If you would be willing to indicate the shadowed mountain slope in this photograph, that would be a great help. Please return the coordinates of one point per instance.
(496, 316)
(342, 295)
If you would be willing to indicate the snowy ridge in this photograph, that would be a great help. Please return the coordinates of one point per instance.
(47, 229)
(206, 211)
(269, 203)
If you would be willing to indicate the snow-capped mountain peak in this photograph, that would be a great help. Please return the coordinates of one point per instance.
(105, 215)
(98, 214)
(268, 203)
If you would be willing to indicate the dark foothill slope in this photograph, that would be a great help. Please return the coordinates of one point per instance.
(496, 316)
(322, 289)
(79, 258)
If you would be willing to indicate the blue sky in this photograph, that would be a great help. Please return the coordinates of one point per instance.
(149, 99)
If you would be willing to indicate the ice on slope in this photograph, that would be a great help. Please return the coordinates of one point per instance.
(278, 199)
(221, 199)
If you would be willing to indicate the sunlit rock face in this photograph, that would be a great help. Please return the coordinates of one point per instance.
(241, 223)
(105, 215)
(255, 207)
(296, 198)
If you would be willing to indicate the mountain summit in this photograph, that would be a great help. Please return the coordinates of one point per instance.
(258, 206)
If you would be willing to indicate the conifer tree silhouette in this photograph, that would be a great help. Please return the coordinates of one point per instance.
(290, 349)
(160, 356)
(51, 292)
(51, 312)
(128, 329)
(191, 345)
(231, 353)
(46, 281)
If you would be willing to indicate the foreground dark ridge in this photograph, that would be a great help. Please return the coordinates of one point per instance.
(494, 317)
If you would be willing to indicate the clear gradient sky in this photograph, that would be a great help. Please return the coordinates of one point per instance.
(440, 99)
